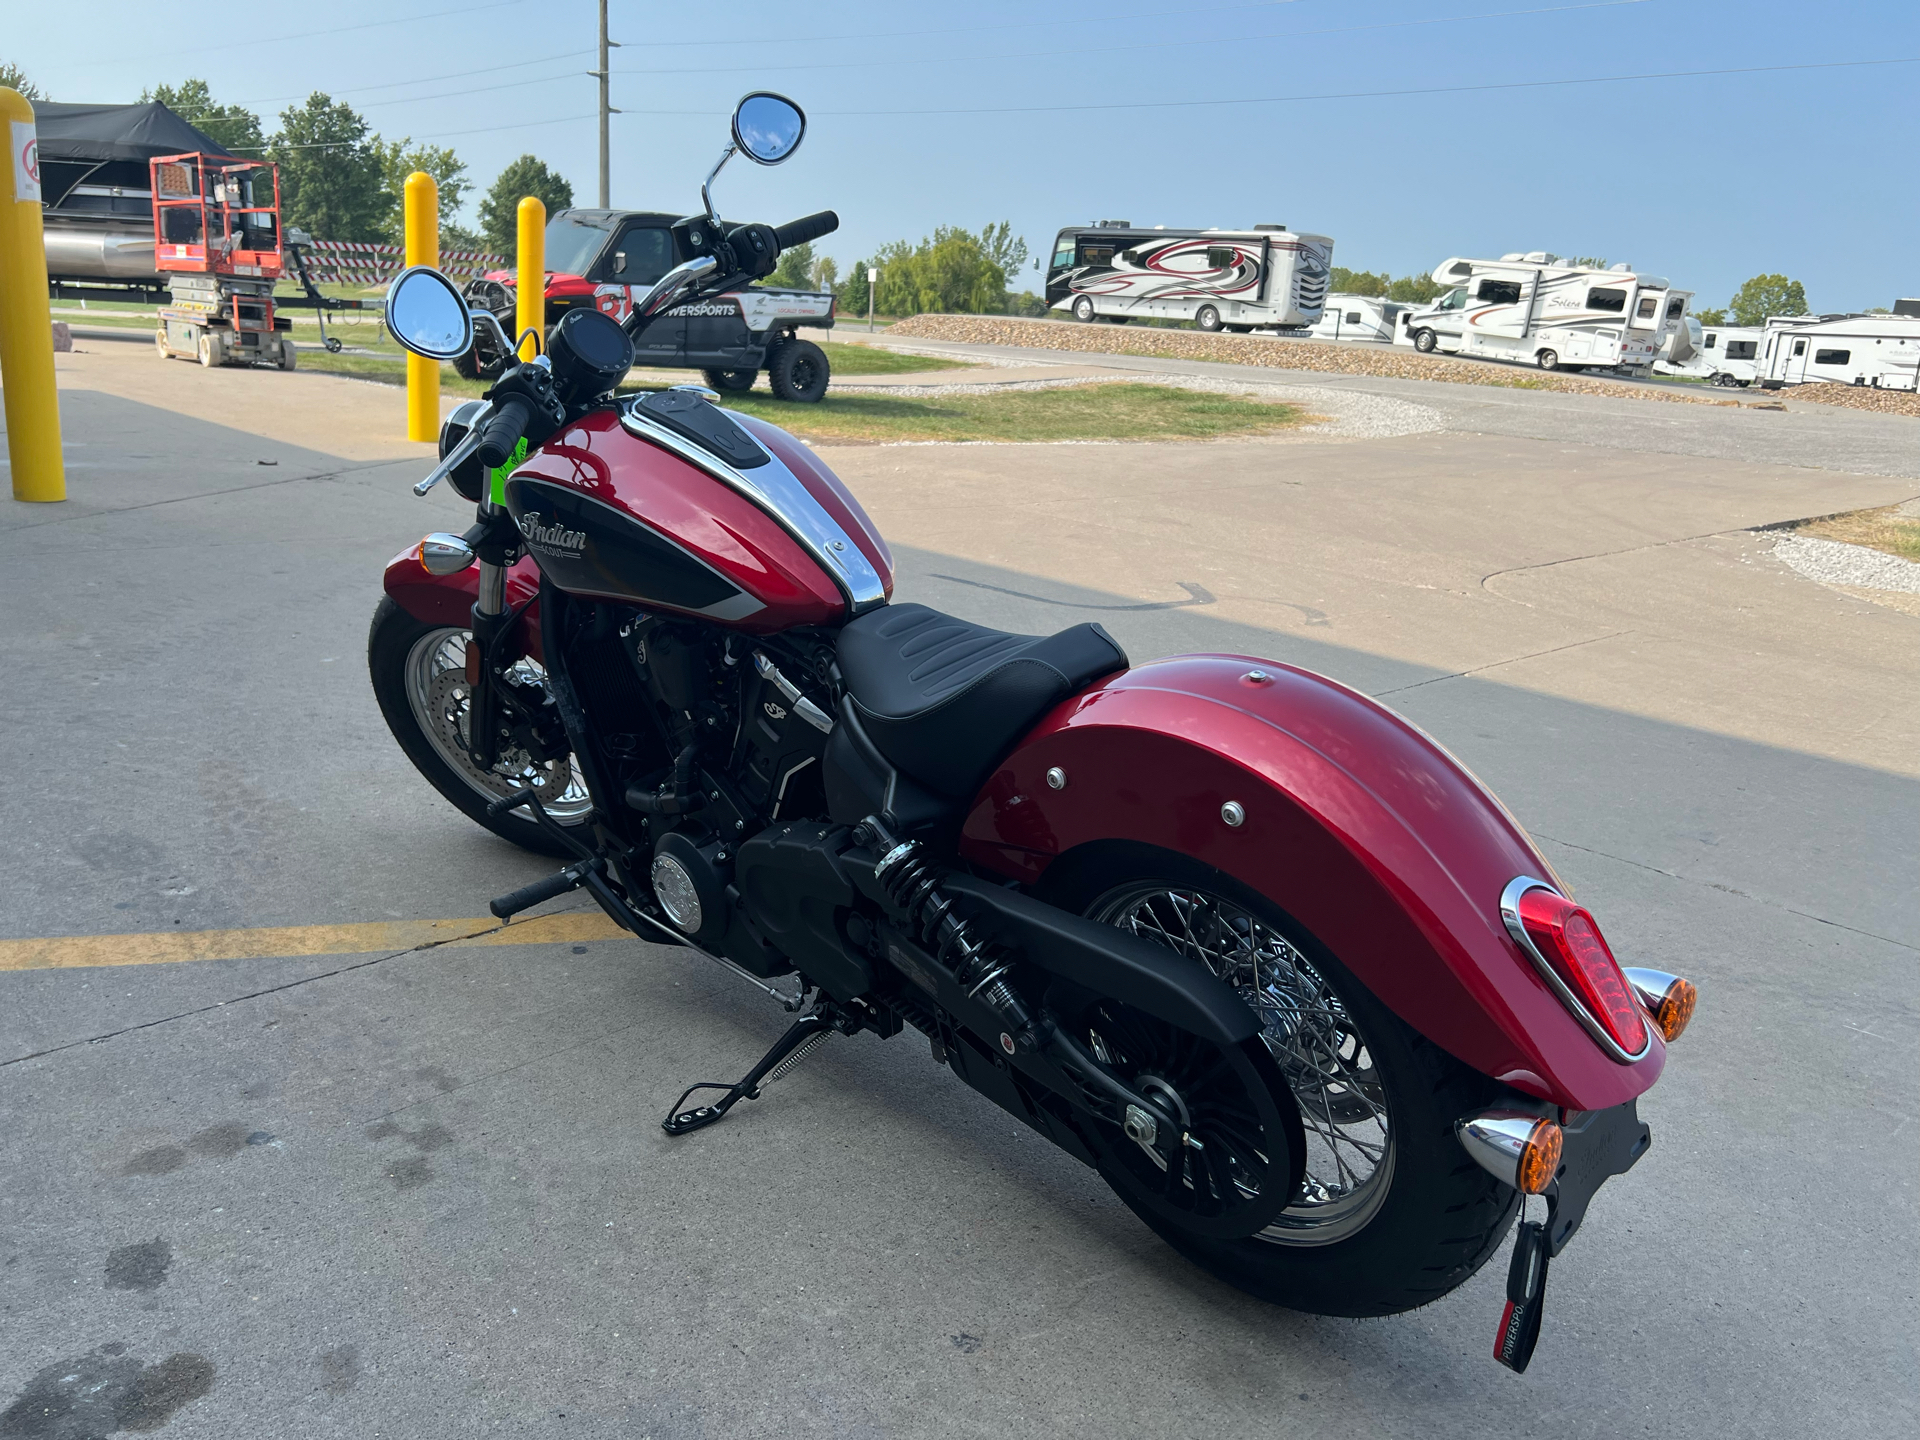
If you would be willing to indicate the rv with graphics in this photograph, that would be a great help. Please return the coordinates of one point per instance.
(1540, 309)
(1358, 317)
(1880, 352)
(1266, 278)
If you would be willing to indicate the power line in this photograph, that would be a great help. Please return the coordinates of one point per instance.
(1152, 45)
(1336, 95)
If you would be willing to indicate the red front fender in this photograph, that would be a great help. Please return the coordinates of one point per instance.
(448, 599)
(1357, 825)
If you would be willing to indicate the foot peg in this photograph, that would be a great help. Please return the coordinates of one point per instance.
(803, 1037)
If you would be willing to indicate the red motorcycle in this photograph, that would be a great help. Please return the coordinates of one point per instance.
(1251, 945)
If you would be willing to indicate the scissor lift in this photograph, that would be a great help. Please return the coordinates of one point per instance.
(216, 236)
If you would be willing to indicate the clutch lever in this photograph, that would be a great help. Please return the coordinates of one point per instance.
(460, 453)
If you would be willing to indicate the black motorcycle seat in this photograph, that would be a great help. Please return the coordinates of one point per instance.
(944, 700)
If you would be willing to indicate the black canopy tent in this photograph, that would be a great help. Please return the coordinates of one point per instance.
(106, 148)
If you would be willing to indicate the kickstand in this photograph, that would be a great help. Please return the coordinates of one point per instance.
(803, 1036)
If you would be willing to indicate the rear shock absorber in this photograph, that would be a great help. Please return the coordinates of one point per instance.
(913, 888)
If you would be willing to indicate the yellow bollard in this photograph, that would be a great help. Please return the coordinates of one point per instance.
(26, 324)
(530, 306)
(423, 248)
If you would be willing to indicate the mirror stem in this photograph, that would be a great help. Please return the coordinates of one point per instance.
(706, 197)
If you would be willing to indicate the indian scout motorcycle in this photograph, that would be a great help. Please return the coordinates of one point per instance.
(1251, 945)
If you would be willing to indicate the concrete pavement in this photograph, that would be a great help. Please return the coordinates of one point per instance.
(423, 1192)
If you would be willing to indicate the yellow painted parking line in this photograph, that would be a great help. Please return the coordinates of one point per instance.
(168, 947)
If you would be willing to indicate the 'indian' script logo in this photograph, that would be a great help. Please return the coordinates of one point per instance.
(551, 537)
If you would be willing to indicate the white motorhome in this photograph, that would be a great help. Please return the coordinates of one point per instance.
(1555, 314)
(1357, 317)
(1266, 277)
(1878, 351)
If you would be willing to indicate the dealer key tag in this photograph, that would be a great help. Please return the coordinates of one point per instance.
(1526, 1298)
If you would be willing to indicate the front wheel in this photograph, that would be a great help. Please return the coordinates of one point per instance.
(1391, 1213)
(798, 370)
(1424, 341)
(419, 673)
(1547, 360)
(1083, 310)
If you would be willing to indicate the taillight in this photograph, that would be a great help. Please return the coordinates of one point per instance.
(1567, 939)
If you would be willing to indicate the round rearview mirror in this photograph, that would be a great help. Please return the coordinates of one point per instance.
(768, 127)
(427, 315)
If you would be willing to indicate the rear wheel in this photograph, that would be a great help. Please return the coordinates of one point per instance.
(1725, 381)
(1391, 1213)
(209, 349)
(1424, 341)
(1207, 318)
(288, 357)
(419, 673)
(798, 370)
(160, 343)
(735, 380)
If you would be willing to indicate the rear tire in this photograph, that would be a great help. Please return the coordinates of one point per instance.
(288, 355)
(1425, 1217)
(1208, 319)
(397, 643)
(1725, 381)
(1424, 341)
(734, 380)
(209, 349)
(798, 371)
(160, 343)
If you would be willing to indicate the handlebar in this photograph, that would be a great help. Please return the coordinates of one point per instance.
(811, 227)
(503, 432)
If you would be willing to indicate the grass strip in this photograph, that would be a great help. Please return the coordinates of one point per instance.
(1886, 530)
(866, 360)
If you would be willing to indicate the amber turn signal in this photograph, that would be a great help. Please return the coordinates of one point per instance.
(1667, 999)
(1539, 1159)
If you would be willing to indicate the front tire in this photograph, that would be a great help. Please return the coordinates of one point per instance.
(1083, 310)
(1547, 360)
(419, 677)
(734, 380)
(798, 370)
(1392, 1213)
(1424, 341)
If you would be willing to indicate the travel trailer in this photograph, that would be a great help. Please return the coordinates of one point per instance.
(1357, 317)
(1878, 351)
(1266, 277)
(1725, 354)
(1557, 315)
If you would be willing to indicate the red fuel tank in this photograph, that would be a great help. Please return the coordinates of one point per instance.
(616, 508)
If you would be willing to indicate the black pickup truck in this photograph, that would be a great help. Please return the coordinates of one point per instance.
(609, 258)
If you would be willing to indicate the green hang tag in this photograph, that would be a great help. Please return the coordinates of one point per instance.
(497, 483)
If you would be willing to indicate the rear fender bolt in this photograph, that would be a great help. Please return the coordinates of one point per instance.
(1234, 813)
(1056, 779)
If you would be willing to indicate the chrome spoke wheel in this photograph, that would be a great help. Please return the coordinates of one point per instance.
(1313, 1039)
(437, 691)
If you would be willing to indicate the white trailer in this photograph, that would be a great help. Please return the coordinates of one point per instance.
(1725, 354)
(1266, 277)
(1357, 317)
(1537, 308)
(1876, 351)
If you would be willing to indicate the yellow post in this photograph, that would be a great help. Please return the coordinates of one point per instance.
(530, 305)
(423, 248)
(26, 324)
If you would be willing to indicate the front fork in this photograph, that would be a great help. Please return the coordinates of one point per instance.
(497, 544)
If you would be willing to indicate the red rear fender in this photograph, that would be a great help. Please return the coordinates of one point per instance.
(1356, 825)
(448, 599)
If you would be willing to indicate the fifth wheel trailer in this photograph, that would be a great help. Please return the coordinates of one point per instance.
(1558, 315)
(1266, 277)
(1879, 352)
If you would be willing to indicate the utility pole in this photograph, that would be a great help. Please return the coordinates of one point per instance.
(606, 182)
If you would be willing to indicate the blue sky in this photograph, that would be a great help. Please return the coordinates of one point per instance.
(1114, 111)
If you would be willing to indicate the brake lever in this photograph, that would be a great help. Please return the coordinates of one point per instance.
(458, 454)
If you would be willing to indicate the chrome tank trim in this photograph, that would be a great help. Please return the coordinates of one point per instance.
(779, 492)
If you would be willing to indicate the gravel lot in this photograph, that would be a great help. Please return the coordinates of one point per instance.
(1858, 397)
(1854, 570)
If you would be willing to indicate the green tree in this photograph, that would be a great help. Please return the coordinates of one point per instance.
(233, 127)
(1766, 295)
(398, 160)
(14, 78)
(949, 273)
(1711, 317)
(853, 294)
(796, 264)
(998, 244)
(1358, 282)
(500, 209)
(332, 181)
(825, 274)
(1415, 289)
